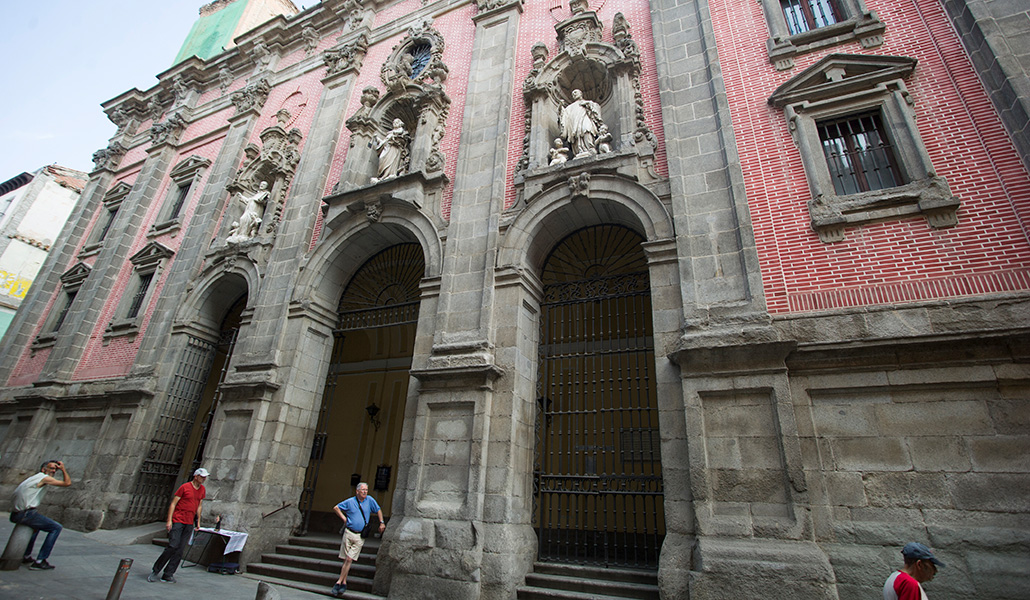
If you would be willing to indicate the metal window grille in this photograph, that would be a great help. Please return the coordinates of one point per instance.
(806, 15)
(69, 298)
(164, 459)
(859, 154)
(180, 199)
(141, 293)
(111, 214)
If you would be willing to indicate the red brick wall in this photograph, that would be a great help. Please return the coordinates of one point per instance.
(896, 261)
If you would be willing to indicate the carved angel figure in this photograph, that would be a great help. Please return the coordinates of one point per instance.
(559, 153)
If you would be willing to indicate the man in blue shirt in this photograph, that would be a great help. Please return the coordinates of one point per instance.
(355, 513)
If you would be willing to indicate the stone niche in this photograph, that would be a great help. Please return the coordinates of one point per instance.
(394, 153)
(604, 80)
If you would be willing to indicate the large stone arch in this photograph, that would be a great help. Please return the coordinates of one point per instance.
(555, 212)
(214, 293)
(357, 237)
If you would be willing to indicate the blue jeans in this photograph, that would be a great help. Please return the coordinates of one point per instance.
(178, 537)
(39, 523)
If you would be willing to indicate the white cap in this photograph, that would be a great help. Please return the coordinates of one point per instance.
(201, 471)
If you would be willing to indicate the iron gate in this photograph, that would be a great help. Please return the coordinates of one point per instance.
(597, 481)
(160, 469)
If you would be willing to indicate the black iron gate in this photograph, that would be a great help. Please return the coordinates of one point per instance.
(598, 483)
(164, 459)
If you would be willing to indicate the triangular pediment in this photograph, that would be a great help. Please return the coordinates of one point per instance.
(150, 254)
(117, 193)
(76, 275)
(838, 74)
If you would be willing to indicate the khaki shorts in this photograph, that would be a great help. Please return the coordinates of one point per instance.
(350, 546)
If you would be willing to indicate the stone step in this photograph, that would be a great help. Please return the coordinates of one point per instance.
(331, 565)
(321, 580)
(315, 588)
(550, 581)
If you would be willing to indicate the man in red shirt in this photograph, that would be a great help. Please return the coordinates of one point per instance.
(183, 520)
(920, 567)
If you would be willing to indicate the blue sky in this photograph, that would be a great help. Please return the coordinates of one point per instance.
(62, 58)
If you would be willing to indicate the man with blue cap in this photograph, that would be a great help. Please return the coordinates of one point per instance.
(907, 583)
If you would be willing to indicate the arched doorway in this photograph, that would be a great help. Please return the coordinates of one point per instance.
(359, 426)
(597, 463)
(176, 447)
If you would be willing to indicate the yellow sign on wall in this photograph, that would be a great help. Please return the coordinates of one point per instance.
(14, 285)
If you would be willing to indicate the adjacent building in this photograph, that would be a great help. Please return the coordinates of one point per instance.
(33, 209)
(737, 292)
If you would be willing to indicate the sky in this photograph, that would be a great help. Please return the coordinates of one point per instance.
(63, 58)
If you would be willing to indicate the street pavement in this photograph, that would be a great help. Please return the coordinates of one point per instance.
(86, 564)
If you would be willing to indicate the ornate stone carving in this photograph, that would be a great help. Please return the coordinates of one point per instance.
(559, 154)
(225, 77)
(274, 164)
(580, 124)
(485, 5)
(155, 108)
(108, 158)
(261, 54)
(180, 91)
(119, 117)
(351, 14)
(418, 57)
(249, 223)
(347, 57)
(582, 28)
(393, 152)
(251, 97)
(167, 131)
(579, 185)
(374, 210)
(310, 36)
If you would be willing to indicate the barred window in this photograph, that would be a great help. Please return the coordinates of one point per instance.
(806, 15)
(141, 293)
(859, 154)
(69, 298)
(180, 199)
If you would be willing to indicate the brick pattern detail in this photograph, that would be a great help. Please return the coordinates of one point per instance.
(897, 261)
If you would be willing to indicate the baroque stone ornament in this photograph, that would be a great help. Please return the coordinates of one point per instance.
(580, 124)
(393, 152)
(579, 185)
(310, 35)
(485, 5)
(251, 97)
(155, 108)
(417, 58)
(108, 158)
(168, 131)
(271, 166)
(225, 78)
(180, 91)
(253, 211)
(346, 58)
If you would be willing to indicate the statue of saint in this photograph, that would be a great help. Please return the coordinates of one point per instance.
(580, 122)
(250, 221)
(393, 149)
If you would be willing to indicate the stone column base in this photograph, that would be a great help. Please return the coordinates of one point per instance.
(725, 568)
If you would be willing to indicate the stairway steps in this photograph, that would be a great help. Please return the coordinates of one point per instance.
(314, 588)
(550, 581)
(312, 563)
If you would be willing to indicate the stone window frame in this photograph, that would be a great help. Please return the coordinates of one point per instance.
(112, 203)
(183, 183)
(71, 283)
(148, 265)
(857, 23)
(841, 85)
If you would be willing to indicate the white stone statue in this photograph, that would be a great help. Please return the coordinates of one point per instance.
(580, 122)
(604, 140)
(250, 221)
(392, 151)
(559, 153)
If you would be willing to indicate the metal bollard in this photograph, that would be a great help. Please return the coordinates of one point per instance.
(119, 579)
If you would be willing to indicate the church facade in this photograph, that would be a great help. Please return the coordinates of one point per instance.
(737, 292)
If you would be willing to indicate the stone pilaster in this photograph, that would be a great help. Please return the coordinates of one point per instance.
(460, 532)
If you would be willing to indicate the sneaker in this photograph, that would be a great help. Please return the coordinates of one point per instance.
(27, 559)
(168, 579)
(152, 577)
(41, 565)
(338, 590)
